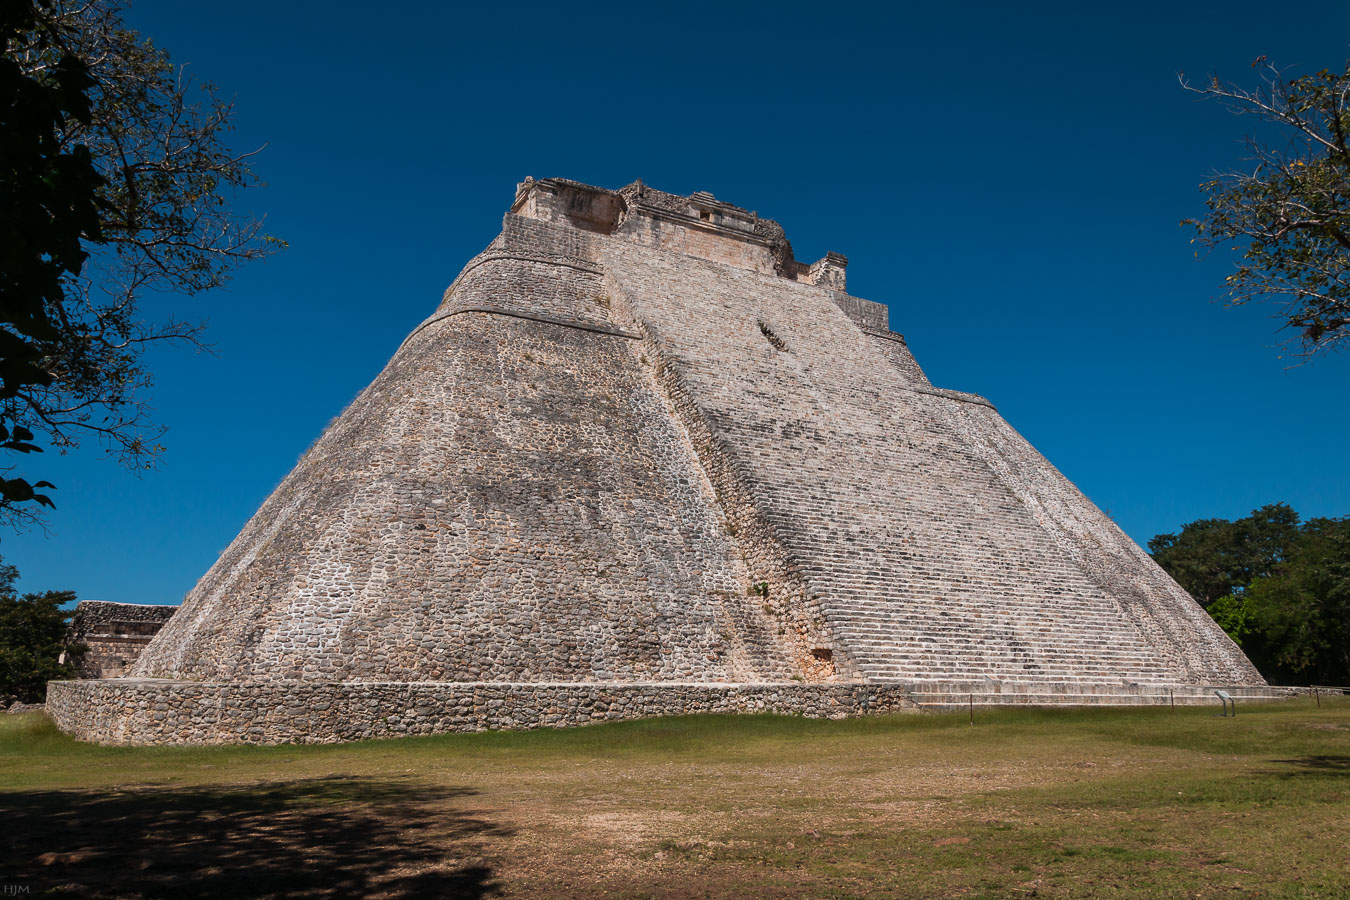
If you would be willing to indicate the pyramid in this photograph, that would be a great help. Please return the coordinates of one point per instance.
(642, 461)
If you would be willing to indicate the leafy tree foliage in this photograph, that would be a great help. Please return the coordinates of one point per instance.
(1212, 558)
(1300, 614)
(32, 639)
(1288, 211)
(122, 185)
(49, 193)
(1279, 588)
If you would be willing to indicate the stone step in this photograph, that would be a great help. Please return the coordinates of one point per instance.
(1010, 674)
(975, 663)
(1020, 648)
(861, 607)
(1012, 670)
(989, 687)
(1098, 677)
(952, 702)
(1085, 630)
(890, 630)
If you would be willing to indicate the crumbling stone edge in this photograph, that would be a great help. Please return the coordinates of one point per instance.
(153, 711)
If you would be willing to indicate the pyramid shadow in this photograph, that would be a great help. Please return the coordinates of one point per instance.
(1322, 765)
(321, 837)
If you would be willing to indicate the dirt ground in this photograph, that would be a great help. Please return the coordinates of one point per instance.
(1055, 804)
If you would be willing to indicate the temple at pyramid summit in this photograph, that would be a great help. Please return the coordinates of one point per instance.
(642, 461)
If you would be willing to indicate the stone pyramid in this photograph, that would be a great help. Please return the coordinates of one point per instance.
(643, 461)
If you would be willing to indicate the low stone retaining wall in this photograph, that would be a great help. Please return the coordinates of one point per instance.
(151, 711)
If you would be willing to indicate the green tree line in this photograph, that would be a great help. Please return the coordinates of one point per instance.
(1279, 586)
(32, 639)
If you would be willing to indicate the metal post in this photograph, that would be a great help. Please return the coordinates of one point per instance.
(972, 709)
(1172, 698)
(1317, 698)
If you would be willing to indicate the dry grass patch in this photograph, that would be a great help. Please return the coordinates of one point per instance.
(1058, 803)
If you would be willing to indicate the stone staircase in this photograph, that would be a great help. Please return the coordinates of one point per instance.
(952, 696)
(900, 642)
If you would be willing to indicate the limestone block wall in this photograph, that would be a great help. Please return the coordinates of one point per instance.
(114, 634)
(633, 455)
(893, 347)
(1172, 622)
(867, 315)
(643, 461)
(512, 499)
(911, 555)
(137, 711)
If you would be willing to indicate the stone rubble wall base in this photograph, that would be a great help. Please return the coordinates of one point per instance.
(153, 711)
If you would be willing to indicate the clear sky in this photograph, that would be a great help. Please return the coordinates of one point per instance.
(1007, 177)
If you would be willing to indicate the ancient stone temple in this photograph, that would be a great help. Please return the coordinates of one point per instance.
(643, 461)
(113, 634)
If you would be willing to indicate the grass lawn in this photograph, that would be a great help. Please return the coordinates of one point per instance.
(1025, 803)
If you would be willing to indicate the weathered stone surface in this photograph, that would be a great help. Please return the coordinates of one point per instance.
(639, 444)
(114, 634)
(141, 711)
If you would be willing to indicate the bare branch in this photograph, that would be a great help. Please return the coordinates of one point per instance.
(168, 225)
(1289, 216)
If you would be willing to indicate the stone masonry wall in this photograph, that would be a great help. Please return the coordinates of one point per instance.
(601, 459)
(512, 499)
(773, 577)
(641, 461)
(893, 347)
(136, 711)
(1173, 623)
(918, 559)
(114, 634)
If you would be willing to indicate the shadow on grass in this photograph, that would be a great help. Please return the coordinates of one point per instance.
(1336, 765)
(355, 837)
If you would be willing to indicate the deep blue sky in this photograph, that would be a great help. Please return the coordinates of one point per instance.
(1007, 177)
